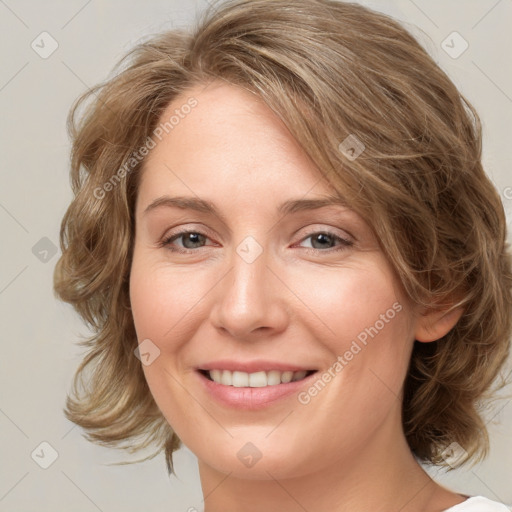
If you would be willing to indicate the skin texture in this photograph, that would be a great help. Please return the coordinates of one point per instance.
(300, 301)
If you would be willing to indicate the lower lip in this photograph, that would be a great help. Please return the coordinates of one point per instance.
(252, 399)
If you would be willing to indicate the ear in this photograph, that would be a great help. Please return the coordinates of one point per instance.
(433, 323)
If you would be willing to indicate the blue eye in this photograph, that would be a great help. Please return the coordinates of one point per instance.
(192, 240)
(323, 236)
(196, 238)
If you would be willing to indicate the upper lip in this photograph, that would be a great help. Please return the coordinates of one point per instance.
(252, 366)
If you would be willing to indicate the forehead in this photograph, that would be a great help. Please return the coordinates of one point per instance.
(230, 144)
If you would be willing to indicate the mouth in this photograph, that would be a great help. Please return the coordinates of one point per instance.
(260, 379)
(252, 385)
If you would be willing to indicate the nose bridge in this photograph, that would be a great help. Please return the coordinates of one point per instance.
(249, 299)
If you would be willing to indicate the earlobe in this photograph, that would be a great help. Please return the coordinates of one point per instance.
(436, 323)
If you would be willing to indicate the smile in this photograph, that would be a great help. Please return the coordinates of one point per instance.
(240, 379)
(253, 389)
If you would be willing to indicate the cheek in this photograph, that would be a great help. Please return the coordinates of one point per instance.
(345, 303)
(164, 301)
(360, 315)
(163, 312)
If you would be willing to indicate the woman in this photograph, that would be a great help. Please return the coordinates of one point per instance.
(208, 176)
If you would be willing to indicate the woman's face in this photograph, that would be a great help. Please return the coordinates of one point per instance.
(261, 281)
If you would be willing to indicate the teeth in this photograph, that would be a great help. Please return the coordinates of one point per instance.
(255, 380)
(298, 375)
(286, 377)
(273, 378)
(238, 379)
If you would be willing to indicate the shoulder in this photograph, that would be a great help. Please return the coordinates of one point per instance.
(479, 504)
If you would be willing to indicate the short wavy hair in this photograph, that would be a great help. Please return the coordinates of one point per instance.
(329, 70)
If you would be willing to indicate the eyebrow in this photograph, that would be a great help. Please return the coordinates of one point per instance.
(202, 205)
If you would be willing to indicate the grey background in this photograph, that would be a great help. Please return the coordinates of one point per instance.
(39, 353)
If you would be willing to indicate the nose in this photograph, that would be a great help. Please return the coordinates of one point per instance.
(250, 299)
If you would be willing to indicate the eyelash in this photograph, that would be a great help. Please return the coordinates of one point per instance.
(344, 243)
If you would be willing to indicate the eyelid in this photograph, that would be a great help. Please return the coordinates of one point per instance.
(326, 228)
(187, 228)
(183, 228)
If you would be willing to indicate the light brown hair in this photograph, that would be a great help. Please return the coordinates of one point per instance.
(329, 70)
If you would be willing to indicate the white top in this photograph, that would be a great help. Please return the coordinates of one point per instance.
(479, 504)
